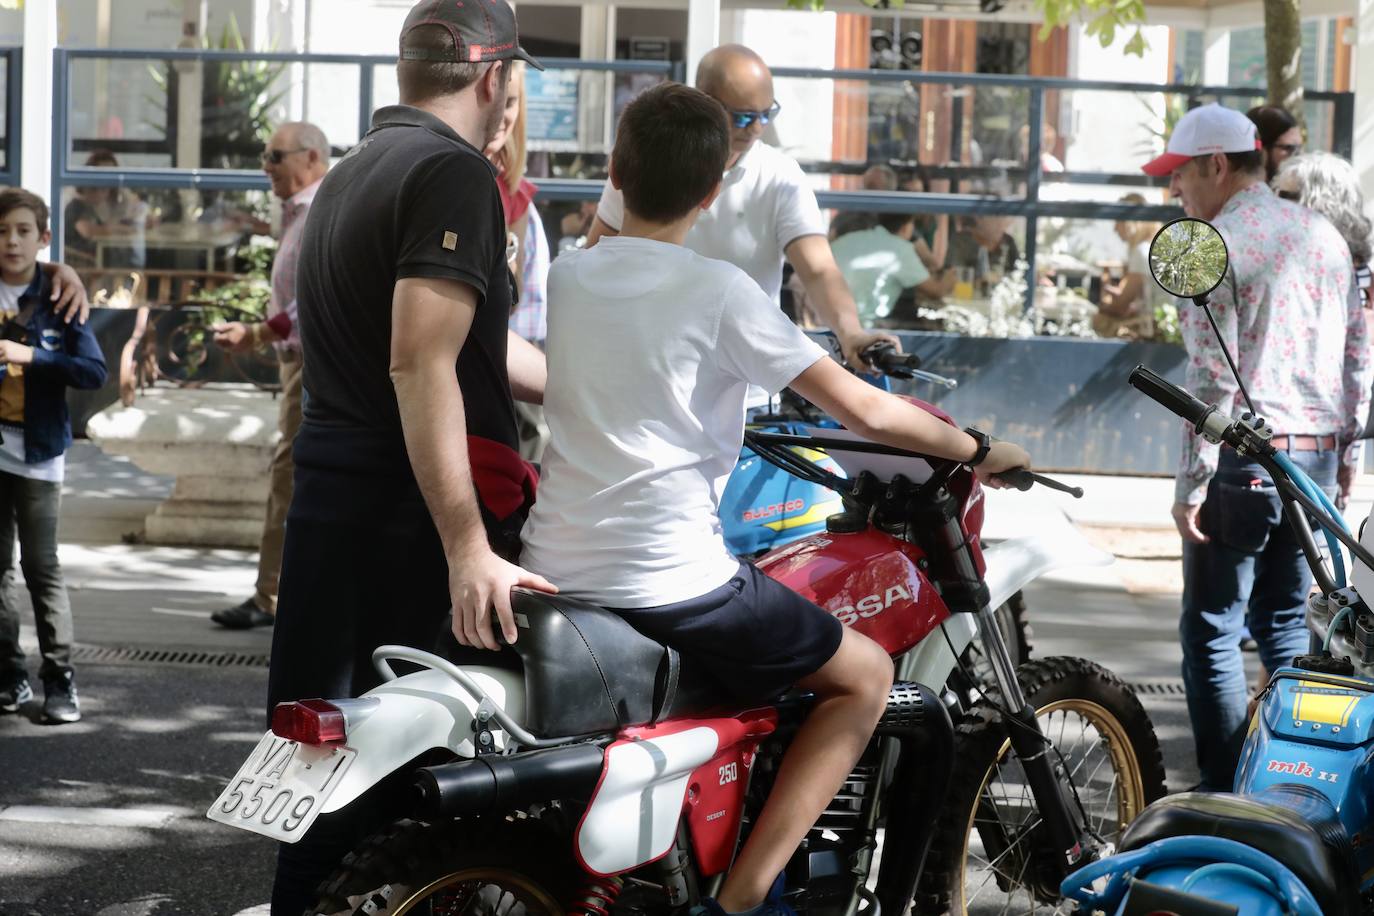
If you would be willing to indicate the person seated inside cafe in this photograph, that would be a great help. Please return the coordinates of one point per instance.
(1127, 306)
(880, 263)
(102, 215)
(981, 252)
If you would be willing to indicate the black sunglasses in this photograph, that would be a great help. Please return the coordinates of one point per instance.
(740, 120)
(1294, 196)
(275, 156)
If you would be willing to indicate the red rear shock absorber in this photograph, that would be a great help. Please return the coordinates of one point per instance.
(597, 897)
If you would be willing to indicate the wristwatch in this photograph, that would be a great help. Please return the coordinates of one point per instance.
(984, 446)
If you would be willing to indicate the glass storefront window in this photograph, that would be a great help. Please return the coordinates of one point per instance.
(179, 242)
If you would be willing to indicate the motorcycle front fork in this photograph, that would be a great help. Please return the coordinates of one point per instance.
(1032, 748)
(1028, 742)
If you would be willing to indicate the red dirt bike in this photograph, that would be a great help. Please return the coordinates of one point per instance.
(608, 777)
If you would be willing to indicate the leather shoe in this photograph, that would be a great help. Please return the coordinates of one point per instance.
(243, 616)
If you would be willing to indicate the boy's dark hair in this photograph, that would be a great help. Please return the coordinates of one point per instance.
(895, 222)
(12, 199)
(670, 151)
(422, 80)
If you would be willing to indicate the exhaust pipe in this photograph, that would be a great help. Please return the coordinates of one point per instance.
(495, 783)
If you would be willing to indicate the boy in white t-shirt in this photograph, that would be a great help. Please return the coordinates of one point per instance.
(651, 348)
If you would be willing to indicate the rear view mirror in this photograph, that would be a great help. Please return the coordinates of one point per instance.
(1188, 258)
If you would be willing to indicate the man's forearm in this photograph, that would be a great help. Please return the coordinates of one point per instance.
(434, 423)
(527, 369)
(833, 301)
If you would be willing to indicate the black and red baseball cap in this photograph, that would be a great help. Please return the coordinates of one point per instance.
(482, 30)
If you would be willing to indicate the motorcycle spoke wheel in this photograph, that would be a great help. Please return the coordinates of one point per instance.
(1000, 849)
(988, 856)
(469, 867)
(479, 892)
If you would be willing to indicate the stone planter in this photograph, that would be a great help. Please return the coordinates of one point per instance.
(217, 441)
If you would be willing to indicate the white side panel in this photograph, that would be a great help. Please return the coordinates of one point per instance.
(417, 712)
(1015, 562)
(634, 816)
(930, 662)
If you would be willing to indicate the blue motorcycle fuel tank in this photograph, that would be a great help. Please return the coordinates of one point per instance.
(1317, 730)
(765, 507)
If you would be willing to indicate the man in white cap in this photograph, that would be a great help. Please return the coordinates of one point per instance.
(1287, 314)
(765, 212)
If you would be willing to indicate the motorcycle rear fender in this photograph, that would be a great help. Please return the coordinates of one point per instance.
(1016, 562)
(416, 713)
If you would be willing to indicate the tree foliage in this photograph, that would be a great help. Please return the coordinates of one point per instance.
(1102, 19)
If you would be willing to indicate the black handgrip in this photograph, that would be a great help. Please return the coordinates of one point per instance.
(1169, 395)
(1018, 478)
(1022, 479)
(885, 358)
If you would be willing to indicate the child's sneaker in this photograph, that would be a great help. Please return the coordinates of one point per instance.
(60, 705)
(15, 694)
(773, 905)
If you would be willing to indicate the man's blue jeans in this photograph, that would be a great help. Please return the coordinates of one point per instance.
(1252, 562)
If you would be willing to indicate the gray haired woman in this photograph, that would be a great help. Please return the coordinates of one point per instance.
(1328, 184)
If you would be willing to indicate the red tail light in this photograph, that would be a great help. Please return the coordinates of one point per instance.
(309, 722)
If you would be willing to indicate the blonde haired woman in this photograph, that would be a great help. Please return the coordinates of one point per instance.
(527, 247)
(1127, 308)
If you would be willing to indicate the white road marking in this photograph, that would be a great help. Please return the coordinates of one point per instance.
(176, 612)
(149, 816)
(262, 909)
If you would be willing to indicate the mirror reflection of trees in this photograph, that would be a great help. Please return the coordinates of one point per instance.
(1188, 257)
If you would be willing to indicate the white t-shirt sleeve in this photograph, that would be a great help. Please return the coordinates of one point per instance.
(611, 208)
(911, 269)
(757, 343)
(798, 214)
(1138, 261)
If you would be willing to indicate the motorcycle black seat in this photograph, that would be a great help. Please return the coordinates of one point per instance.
(587, 671)
(1294, 824)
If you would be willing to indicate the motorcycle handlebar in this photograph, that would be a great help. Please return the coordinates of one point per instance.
(1169, 395)
(885, 358)
(1023, 479)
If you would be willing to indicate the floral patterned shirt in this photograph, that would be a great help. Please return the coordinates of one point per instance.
(1290, 315)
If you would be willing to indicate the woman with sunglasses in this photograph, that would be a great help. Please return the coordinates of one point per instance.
(766, 211)
(1279, 135)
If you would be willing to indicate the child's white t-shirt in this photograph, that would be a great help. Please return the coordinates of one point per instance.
(651, 348)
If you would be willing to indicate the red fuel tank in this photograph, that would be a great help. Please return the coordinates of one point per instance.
(870, 581)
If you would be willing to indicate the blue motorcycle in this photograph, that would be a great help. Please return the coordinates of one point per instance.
(1296, 836)
(764, 507)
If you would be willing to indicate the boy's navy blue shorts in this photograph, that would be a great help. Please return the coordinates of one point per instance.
(756, 636)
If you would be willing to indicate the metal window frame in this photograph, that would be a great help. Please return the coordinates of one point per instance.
(14, 116)
(1028, 207)
(66, 175)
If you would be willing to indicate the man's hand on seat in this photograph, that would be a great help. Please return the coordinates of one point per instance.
(477, 584)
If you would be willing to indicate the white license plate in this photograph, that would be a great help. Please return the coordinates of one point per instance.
(281, 788)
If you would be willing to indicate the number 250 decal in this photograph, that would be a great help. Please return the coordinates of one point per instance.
(729, 773)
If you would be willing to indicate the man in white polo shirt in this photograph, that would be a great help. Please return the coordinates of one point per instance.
(765, 211)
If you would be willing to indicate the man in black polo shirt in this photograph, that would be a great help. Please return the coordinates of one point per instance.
(396, 515)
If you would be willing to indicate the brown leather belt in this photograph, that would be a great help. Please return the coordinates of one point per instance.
(1304, 443)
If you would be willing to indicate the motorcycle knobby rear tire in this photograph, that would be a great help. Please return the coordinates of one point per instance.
(512, 866)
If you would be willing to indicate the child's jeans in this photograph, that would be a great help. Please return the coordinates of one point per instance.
(30, 508)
